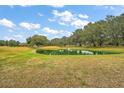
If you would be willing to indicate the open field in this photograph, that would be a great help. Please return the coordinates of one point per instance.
(22, 67)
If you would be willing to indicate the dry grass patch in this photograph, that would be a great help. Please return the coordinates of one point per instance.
(34, 61)
(28, 69)
(51, 47)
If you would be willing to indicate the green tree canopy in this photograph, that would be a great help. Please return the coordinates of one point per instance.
(37, 40)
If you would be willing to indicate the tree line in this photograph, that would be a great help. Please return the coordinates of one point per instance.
(107, 32)
(9, 43)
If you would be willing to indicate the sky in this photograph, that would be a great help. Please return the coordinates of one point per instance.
(55, 21)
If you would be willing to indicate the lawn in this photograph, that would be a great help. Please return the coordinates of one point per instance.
(22, 67)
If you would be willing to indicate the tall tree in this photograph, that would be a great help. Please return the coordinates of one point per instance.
(113, 31)
(37, 40)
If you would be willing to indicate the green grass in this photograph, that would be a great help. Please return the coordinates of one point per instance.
(22, 67)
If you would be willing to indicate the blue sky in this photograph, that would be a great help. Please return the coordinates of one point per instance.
(20, 22)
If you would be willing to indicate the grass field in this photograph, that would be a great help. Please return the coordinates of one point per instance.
(22, 67)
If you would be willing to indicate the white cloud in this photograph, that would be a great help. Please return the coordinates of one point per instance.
(79, 23)
(58, 33)
(11, 6)
(57, 6)
(44, 34)
(112, 8)
(68, 34)
(7, 23)
(109, 7)
(84, 16)
(56, 37)
(62, 23)
(10, 30)
(13, 37)
(29, 26)
(65, 16)
(51, 31)
(17, 36)
(69, 19)
(51, 20)
(25, 5)
(64, 33)
(40, 14)
(36, 32)
(9, 38)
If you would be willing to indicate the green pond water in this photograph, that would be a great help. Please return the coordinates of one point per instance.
(73, 52)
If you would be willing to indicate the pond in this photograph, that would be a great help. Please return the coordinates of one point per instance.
(73, 52)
